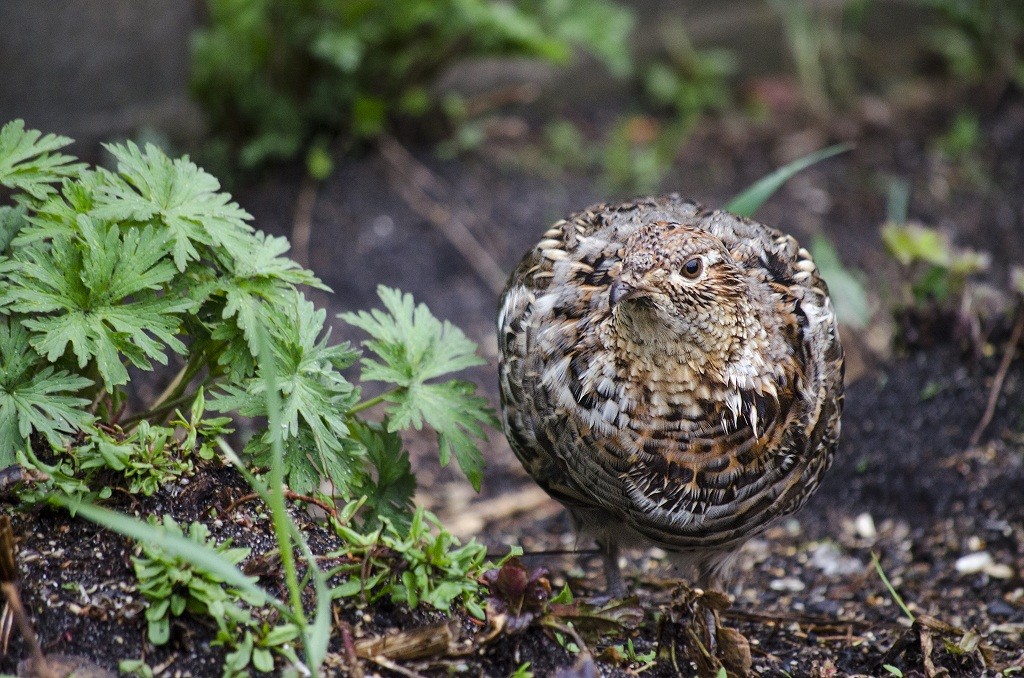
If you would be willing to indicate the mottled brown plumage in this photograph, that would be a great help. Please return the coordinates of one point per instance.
(672, 375)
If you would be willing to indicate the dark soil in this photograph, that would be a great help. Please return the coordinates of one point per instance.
(905, 486)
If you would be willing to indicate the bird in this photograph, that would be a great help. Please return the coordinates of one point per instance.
(673, 375)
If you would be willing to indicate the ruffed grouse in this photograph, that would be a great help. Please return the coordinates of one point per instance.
(672, 375)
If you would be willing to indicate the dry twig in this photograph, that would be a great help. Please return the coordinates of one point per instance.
(997, 383)
(8, 578)
(428, 196)
(288, 494)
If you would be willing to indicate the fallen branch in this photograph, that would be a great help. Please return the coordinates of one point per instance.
(997, 383)
(428, 196)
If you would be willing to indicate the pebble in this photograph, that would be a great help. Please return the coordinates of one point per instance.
(864, 525)
(974, 563)
(828, 558)
(788, 584)
(999, 571)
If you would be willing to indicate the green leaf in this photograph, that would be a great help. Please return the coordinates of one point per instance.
(845, 289)
(100, 293)
(390, 497)
(198, 554)
(750, 200)
(150, 187)
(411, 347)
(454, 412)
(315, 397)
(12, 220)
(28, 161)
(257, 294)
(33, 396)
(910, 242)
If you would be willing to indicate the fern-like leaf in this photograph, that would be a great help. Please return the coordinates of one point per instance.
(29, 160)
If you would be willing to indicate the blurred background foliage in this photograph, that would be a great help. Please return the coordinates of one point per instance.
(273, 75)
(314, 78)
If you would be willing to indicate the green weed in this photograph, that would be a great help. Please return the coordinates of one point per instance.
(272, 76)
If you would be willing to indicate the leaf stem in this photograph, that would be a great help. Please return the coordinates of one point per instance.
(196, 362)
(184, 399)
(367, 404)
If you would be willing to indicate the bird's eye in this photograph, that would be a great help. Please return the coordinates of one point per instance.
(693, 267)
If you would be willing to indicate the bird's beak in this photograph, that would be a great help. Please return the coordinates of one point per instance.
(620, 291)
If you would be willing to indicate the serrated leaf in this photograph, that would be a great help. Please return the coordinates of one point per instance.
(178, 194)
(12, 220)
(411, 347)
(315, 397)
(34, 397)
(455, 413)
(100, 294)
(266, 258)
(28, 161)
(390, 496)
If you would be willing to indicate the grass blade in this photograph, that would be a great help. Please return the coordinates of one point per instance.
(750, 200)
(892, 592)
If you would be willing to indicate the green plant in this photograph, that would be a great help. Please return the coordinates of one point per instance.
(124, 267)
(962, 139)
(179, 573)
(750, 199)
(136, 667)
(273, 75)
(523, 671)
(934, 271)
(690, 81)
(627, 654)
(980, 40)
(889, 587)
(422, 563)
(173, 585)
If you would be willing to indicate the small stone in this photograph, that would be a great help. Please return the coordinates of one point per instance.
(828, 558)
(787, 584)
(864, 525)
(973, 563)
(999, 571)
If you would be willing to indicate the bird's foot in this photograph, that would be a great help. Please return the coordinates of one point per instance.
(708, 644)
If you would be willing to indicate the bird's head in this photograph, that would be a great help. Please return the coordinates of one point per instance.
(680, 287)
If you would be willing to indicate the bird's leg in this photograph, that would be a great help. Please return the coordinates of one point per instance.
(612, 571)
(706, 582)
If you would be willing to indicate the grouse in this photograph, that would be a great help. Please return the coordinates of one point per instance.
(673, 375)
